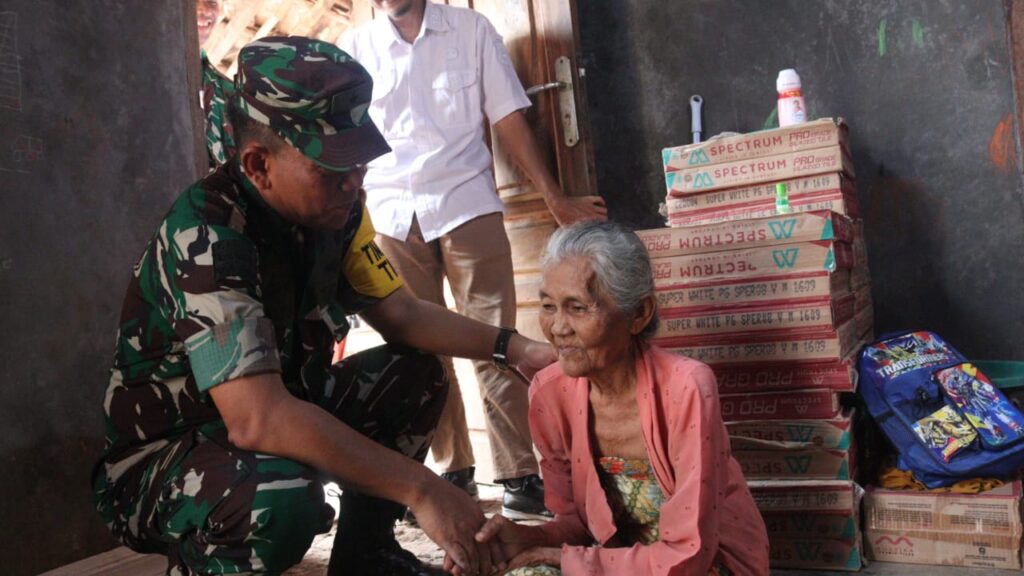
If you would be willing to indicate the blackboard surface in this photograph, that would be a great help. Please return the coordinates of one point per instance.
(95, 140)
(927, 90)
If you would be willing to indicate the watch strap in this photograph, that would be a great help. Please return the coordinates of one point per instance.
(500, 354)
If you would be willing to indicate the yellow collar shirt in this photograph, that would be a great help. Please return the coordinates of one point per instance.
(430, 100)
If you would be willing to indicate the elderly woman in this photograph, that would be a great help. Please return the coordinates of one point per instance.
(635, 457)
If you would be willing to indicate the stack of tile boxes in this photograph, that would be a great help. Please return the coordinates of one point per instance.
(778, 305)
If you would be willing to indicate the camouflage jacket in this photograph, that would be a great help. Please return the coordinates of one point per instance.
(217, 89)
(226, 288)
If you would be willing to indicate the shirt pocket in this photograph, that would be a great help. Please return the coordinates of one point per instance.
(457, 97)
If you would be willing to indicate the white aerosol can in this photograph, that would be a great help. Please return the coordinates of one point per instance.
(791, 101)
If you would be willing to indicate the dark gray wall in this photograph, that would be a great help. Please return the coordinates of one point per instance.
(927, 89)
(95, 140)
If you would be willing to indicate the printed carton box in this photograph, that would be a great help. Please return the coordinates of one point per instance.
(759, 170)
(805, 136)
(802, 525)
(994, 512)
(789, 405)
(831, 434)
(823, 314)
(838, 375)
(767, 348)
(814, 496)
(780, 288)
(766, 231)
(752, 263)
(819, 186)
(795, 464)
(844, 204)
(815, 553)
(944, 548)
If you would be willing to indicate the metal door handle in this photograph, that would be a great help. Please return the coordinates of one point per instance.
(542, 87)
(566, 100)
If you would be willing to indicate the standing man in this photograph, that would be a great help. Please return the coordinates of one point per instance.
(440, 73)
(224, 413)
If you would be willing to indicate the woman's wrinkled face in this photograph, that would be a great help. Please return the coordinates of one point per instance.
(591, 334)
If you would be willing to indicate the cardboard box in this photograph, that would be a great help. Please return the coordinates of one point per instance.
(862, 296)
(703, 294)
(814, 553)
(844, 204)
(839, 375)
(861, 270)
(802, 525)
(994, 512)
(865, 322)
(730, 235)
(820, 186)
(829, 185)
(775, 347)
(795, 464)
(831, 434)
(823, 314)
(944, 548)
(817, 496)
(789, 405)
(752, 263)
(804, 136)
(758, 170)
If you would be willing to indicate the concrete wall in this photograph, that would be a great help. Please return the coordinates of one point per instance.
(96, 138)
(928, 89)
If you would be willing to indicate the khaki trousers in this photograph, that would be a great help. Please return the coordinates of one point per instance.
(477, 260)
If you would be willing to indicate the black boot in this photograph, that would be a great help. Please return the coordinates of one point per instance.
(524, 498)
(365, 543)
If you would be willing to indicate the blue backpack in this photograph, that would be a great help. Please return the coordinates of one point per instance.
(944, 417)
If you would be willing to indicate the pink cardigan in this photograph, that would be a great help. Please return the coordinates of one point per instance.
(708, 514)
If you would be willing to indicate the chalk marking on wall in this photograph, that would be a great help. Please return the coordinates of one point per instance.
(26, 149)
(10, 62)
(917, 32)
(1001, 149)
(916, 35)
(881, 37)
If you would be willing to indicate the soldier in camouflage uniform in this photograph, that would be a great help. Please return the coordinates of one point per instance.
(216, 91)
(224, 415)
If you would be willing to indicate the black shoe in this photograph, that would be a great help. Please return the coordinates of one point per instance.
(389, 559)
(460, 478)
(524, 499)
(464, 479)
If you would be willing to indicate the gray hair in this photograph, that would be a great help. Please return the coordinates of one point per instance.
(618, 258)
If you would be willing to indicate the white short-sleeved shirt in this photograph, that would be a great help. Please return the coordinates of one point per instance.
(430, 99)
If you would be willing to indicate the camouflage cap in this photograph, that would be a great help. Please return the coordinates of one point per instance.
(313, 95)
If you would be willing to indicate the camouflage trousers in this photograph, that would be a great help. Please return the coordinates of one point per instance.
(213, 508)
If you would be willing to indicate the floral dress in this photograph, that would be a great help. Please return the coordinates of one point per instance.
(635, 499)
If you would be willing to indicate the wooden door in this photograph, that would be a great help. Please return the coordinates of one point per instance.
(537, 33)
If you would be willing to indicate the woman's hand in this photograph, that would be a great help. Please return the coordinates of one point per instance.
(537, 556)
(502, 539)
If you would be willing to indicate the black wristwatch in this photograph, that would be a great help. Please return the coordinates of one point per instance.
(500, 354)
